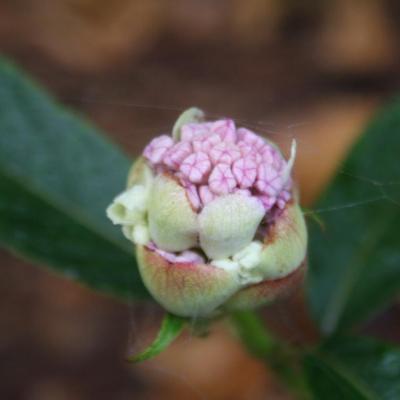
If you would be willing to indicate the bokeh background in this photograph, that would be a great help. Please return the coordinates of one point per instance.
(314, 70)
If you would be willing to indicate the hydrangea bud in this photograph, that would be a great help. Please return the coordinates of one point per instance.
(213, 213)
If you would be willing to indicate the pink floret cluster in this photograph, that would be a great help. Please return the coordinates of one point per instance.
(216, 158)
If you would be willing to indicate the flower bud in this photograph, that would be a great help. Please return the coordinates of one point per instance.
(213, 213)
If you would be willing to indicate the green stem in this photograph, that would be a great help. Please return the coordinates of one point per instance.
(280, 356)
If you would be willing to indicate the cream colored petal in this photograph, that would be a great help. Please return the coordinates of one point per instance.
(228, 224)
(138, 234)
(250, 256)
(188, 116)
(173, 224)
(141, 234)
(129, 207)
(285, 245)
(249, 260)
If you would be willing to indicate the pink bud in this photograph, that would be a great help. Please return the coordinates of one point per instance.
(196, 166)
(245, 148)
(250, 138)
(284, 197)
(221, 180)
(206, 142)
(268, 180)
(176, 154)
(225, 129)
(156, 149)
(267, 154)
(224, 153)
(267, 201)
(191, 131)
(245, 172)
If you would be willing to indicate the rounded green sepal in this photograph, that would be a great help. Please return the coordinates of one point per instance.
(186, 289)
(172, 222)
(285, 244)
(228, 224)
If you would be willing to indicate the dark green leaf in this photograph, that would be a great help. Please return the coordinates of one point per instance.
(170, 329)
(279, 356)
(355, 260)
(354, 368)
(57, 175)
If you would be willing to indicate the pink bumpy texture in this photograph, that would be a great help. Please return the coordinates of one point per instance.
(215, 158)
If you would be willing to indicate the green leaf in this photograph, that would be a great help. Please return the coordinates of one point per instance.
(170, 329)
(355, 260)
(57, 175)
(354, 368)
(251, 330)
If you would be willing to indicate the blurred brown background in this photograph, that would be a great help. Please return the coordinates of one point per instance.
(314, 70)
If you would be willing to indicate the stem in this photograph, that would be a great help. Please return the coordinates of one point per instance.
(280, 356)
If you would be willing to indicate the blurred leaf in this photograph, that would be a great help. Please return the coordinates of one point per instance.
(57, 175)
(251, 330)
(355, 261)
(280, 357)
(170, 329)
(354, 368)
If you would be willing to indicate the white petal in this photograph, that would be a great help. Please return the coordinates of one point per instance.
(249, 257)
